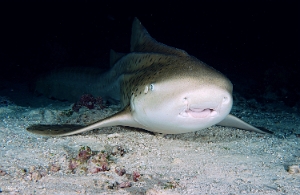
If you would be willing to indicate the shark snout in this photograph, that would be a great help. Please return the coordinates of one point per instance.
(202, 106)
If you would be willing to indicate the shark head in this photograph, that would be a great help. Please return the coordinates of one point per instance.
(181, 99)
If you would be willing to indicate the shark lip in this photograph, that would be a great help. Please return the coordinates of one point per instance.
(198, 112)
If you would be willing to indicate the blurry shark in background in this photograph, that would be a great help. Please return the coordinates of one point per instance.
(161, 89)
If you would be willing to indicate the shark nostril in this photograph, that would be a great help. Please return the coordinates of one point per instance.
(146, 89)
(226, 99)
(185, 100)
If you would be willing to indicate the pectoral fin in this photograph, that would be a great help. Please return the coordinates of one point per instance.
(233, 121)
(123, 118)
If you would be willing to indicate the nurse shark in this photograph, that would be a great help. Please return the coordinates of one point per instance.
(162, 89)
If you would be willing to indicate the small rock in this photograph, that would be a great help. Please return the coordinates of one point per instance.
(31, 169)
(135, 176)
(2, 173)
(125, 184)
(114, 135)
(294, 169)
(120, 171)
(98, 163)
(85, 153)
(118, 150)
(35, 176)
(54, 168)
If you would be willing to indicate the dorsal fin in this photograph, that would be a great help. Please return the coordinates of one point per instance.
(141, 41)
(114, 57)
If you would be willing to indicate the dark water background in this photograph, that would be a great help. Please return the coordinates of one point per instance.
(254, 43)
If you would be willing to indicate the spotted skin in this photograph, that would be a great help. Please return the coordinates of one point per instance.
(161, 89)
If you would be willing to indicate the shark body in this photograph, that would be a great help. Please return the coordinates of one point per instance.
(161, 89)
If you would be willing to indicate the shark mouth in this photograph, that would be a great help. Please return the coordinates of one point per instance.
(198, 112)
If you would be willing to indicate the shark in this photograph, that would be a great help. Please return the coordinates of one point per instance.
(161, 89)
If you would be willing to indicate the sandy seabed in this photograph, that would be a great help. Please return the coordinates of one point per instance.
(216, 160)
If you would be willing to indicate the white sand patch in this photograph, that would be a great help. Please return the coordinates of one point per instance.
(216, 160)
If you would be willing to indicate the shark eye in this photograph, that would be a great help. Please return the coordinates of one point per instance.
(152, 87)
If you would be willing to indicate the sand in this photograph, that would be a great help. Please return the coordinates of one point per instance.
(216, 160)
